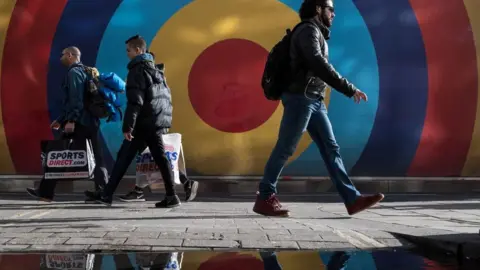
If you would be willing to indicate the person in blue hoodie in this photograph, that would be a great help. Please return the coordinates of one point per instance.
(77, 123)
(147, 117)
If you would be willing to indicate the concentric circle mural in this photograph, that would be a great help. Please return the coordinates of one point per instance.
(421, 76)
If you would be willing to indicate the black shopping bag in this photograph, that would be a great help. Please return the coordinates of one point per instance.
(67, 159)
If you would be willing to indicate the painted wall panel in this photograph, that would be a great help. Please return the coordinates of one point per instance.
(421, 76)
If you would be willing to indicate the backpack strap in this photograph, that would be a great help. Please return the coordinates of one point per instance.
(298, 25)
(119, 111)
(303, 68)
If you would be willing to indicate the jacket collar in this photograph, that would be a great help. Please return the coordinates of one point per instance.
(78, 64)
(325, 31)
(142, 58)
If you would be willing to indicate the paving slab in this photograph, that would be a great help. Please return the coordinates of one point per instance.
(118, 248)
(202, 243)
(4, 240)
(96, 241)
(318, 224)
(278, 245)
(14, 248)
(154, 242)
(37, 241)
(59, 248)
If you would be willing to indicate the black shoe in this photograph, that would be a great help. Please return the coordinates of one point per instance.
(35, 194)
(190, 188)
(135, 195)
(90, 200)
(169, 202)
(97, 196)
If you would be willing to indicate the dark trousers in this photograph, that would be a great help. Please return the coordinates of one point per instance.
(47, 186)
(129, 150)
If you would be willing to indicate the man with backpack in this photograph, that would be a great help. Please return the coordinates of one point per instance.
(298, 72)
(148, 115)
(76, 121)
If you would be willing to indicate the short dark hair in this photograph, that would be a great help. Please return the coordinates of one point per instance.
(308, 9)
(137, 42)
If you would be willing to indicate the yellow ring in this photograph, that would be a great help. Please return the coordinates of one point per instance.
(181, 40)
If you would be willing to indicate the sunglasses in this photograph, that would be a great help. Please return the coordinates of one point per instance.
(329, 8)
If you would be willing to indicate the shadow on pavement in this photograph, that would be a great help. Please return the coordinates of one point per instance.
(463, 245)
(330, 197)
(191, 217)
(444, 205)
(13, 206)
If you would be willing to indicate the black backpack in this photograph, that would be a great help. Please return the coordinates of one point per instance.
(277, 73)
(93, 99)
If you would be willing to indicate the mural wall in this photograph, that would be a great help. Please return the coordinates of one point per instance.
(417, 61)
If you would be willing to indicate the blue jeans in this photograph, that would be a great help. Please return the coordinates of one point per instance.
(300, 114)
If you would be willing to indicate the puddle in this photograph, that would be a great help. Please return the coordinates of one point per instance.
(211, 260)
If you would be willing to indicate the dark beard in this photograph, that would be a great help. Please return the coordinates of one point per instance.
(325, 21)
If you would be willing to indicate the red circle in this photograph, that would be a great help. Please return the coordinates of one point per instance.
(224, 86)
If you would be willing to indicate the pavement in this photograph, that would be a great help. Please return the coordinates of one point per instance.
(234, 185)
(317, 222)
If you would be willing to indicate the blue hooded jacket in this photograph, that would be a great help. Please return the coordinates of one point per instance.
(112, 85)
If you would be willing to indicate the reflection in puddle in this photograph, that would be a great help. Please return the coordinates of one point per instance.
(206, 260)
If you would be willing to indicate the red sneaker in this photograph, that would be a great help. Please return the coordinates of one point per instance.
(364, 202)
(270, 207)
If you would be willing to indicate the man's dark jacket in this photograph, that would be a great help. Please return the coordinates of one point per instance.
(73, 92)
(149, 101)
(309, 62)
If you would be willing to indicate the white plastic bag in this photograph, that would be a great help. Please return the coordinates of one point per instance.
(147, 171)
(172, 263)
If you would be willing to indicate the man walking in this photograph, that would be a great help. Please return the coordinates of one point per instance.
(304, 109)
(77, 122)
(138, 193)
(148, 115)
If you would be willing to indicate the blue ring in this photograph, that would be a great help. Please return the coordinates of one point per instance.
(357, 61)
(404, 83)
(131, 18)
(74, 29)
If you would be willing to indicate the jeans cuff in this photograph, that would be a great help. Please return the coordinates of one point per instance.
(352, 200)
